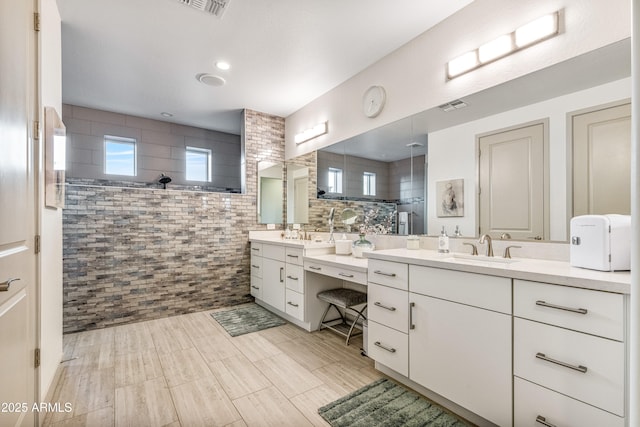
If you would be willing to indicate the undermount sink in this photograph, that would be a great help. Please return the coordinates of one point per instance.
(480, 258)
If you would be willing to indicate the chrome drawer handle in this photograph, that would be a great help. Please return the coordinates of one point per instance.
(384, 347)
(560, 307)
(292, 278)
(292, 256)
(281, 273)
(4, 286)
(292, 304)
(345, 275)
(255, 249)
(542, 420)
(255, 266)
(255, 287)
(579, 368)
(385, 274)
(411, 324)
(314, 268)
(377, 304)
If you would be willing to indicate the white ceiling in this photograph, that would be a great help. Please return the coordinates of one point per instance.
(140, 57)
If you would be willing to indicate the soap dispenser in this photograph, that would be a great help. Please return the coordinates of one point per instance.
(443, 242)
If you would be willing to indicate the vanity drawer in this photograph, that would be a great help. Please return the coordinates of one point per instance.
(294, 305)
(256, 266)
(593, 312)
(389, 347)
(478, 290)
(294, 255)
(532, 401)
(388, 306)
(587, 368)
(337, 272)
(295, 278)
(256, 249)
(256, 287)
(276, 252)
(394, 274)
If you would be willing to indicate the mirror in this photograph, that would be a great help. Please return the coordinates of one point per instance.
(270, 197)
(297, 194)
(595, 78)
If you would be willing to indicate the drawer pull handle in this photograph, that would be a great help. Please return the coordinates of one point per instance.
(579, 368)
(542, 420)
(411, 325)
(312, 267)
(255, 287)
(385, 274)
(255, 249)
(345, 275)
(292, 278)
(560, 307)
(255, 266)
(292, 256)
(292, 304)
(378, 304)
(281, 273)
(384, 347)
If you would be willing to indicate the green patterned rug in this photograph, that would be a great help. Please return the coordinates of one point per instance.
(385, 403)
(244, 320)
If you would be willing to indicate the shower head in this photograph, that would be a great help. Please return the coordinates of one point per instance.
(164, 180)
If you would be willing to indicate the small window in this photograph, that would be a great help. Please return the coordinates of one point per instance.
(119, 156)
(369, 184)
(334, 184)
(198, 164)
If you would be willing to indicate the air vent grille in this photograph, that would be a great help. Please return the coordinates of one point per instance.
(456, 104)
(214, 7)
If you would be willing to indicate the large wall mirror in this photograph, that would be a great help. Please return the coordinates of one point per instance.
(449, 137)
(270, 197)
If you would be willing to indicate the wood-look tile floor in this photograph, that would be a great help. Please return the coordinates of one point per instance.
(187, 371)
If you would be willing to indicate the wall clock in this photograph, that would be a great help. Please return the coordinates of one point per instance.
(373, 101)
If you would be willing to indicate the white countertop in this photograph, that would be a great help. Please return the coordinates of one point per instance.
(341, 261)
(556, 272)
(293, 243)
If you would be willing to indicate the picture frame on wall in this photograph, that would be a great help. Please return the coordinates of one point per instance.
(450, 202)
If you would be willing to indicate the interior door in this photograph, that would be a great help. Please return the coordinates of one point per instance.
(17, 219)
(602, 144)
(512, 183)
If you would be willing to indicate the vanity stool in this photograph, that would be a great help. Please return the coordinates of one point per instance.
(346, 299)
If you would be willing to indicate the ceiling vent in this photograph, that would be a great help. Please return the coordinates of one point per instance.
(214, 7)
(456, 104)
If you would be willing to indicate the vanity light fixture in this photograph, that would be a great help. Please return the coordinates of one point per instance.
(529, 34)
(314, 132)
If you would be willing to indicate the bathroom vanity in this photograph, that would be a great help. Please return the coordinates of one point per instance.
(521, 342)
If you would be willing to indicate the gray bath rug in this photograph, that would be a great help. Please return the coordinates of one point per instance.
(244, 320)
(385, 403)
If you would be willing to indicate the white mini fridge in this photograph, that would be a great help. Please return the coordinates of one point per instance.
(601, 242)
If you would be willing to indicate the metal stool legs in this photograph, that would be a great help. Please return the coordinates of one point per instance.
(349, 334)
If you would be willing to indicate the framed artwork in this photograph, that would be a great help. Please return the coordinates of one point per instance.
(54, 158)
(450, 193)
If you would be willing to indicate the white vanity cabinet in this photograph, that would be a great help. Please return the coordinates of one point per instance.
(294, 283)
(460, 339)
(256, 270)
(569, 356)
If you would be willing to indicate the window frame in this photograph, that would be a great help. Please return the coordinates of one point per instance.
(369, 181)
(334, 180)
(198, 150)
(121, 140)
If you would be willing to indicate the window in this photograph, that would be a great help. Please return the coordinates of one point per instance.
(334, 182)
(369, 184)
(119, 156)
(198, 164)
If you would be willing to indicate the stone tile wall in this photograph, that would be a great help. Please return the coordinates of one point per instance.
(133, 254)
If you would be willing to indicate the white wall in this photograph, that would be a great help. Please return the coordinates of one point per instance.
(452, 154)
(50, 219)
(414, 75)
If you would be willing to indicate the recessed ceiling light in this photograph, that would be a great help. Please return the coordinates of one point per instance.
(210, 79)
(165, 114)
(222, 65)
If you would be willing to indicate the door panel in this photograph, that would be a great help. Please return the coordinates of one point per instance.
(17, 219)
(512, 178)
(602, 145)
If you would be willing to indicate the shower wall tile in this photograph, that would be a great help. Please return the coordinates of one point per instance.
(134, 254)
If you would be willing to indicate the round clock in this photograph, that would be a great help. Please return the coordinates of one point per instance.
(373, 101)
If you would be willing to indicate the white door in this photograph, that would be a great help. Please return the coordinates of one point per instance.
(602, 162)
(512, 183)
(17, 219)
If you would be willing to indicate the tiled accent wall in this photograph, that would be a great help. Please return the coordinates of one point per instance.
(160, 148)
(133, 254)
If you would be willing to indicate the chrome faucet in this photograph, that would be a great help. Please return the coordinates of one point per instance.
(331, 213)
(489, 244)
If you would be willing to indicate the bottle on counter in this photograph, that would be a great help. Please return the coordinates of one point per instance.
(443, 242)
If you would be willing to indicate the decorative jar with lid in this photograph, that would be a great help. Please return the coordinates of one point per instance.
(362, 245)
